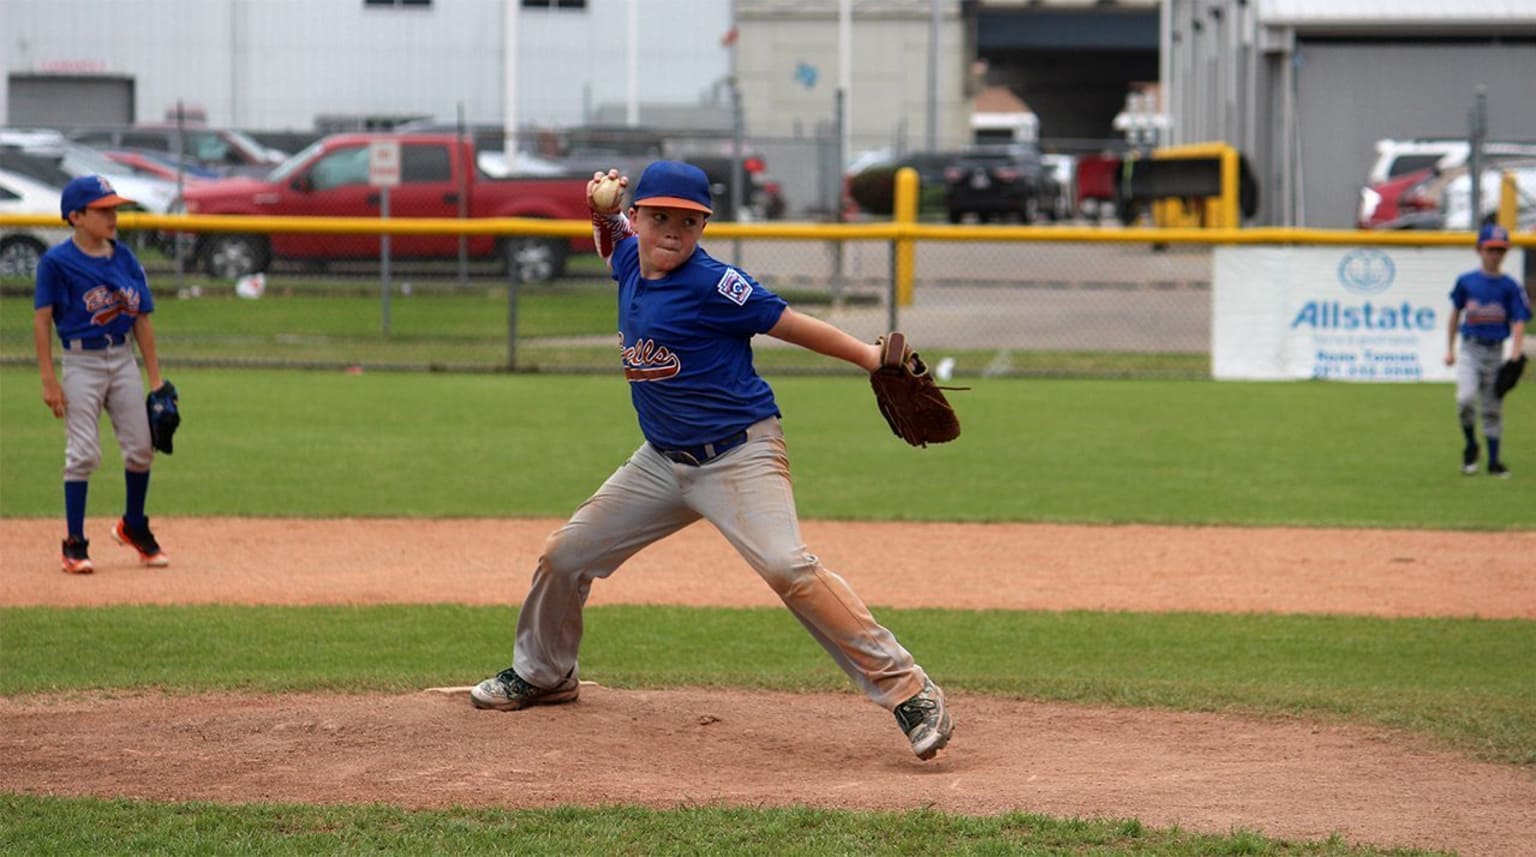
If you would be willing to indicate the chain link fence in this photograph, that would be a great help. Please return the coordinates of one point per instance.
(987, 307)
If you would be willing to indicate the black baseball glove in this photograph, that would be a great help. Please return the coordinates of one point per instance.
(164, 416)
(1509, 376)
(910, 401)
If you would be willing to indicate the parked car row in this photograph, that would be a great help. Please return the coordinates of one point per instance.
(1000, 182)
(138, 160)
(166, 168)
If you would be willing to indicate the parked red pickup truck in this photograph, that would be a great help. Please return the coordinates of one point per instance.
(330, 178)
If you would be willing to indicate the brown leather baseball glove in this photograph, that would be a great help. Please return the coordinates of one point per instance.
(910, 401)
(1508, 376)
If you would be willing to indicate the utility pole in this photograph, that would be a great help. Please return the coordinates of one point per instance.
(933, 75)
(1478, 126)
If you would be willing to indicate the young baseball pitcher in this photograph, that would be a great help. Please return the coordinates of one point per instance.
(713, 449)
(1488, 307)
(92, 289)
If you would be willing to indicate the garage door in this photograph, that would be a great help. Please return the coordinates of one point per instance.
(63, 101)
(1352, 93)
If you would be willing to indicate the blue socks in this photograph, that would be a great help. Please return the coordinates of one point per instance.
(74, 502)
(1493, 450)
(138, 490)
(74, 508)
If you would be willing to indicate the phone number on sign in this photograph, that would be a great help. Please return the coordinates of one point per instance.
(1394, 365)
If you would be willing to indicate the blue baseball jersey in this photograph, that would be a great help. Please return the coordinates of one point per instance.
(1490, 302)
(686, 341)
(92, 296)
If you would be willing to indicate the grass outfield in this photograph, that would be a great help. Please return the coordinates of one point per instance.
(56, 826)
(1164, 452)
(328, 444)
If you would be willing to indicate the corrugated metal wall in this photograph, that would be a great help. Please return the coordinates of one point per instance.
(1351, 94)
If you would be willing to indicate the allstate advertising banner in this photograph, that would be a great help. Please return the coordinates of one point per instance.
(1345, 313)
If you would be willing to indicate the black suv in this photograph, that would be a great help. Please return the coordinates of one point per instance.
(1001, 182)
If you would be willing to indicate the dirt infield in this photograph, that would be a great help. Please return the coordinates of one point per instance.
(1206, 772)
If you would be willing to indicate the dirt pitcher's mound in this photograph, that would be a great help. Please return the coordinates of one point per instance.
(668, 748)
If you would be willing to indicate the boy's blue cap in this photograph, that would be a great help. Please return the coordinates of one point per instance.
(85, 192)
(1493, 235)
(673, 184)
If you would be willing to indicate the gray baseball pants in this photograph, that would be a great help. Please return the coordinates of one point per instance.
(746, 495)
(96, 380)
(1476, 366)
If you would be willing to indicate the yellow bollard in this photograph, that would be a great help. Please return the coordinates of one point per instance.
(1509, 201)
(904, 265)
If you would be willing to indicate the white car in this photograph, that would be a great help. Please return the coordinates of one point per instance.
(31, 138)
(22, 246)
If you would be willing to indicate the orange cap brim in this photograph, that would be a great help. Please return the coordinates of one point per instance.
(111, 200)
(672, 202)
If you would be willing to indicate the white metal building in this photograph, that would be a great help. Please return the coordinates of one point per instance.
(906, 69)
(280, 64)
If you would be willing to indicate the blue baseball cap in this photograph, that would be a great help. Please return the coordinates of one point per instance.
(673, 184)
(1493, 235)
(85, 192)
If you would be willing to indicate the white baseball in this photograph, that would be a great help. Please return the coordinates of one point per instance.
(608, 195)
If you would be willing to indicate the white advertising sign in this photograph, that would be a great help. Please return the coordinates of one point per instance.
(1340, 313)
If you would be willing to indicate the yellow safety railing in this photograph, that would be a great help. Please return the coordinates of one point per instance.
(1219, 212)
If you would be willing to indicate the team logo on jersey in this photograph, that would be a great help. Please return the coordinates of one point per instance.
(734, 286)
(647, 361)
(1486, 313)
(106, 302)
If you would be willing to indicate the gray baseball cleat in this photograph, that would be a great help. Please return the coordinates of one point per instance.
(506, 691)
(926, 721)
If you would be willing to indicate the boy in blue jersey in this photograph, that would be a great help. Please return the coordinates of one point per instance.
(93, 290)
(713, 449)
(1488, 308)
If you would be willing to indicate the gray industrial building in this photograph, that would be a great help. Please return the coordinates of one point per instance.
(1306, 87)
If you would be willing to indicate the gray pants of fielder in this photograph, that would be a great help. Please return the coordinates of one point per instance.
(108, 380)
(746, 495)
(1476, 366)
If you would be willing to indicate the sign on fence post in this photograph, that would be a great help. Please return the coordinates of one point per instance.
(384, 173)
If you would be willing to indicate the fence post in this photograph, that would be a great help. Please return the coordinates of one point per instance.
(904, 213)
(1509, 202)
(514, 279)
(1231, 190)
